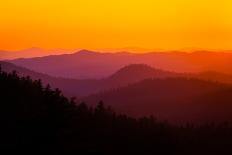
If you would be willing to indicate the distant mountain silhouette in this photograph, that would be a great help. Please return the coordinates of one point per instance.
(74, 87)
(129, 74)
(91, 65)
(172, 99)
(134, 73)
(82, 65)
(69, 87)
(31, 52)
(137, 72)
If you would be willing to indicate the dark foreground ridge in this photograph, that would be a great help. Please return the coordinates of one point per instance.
(38, 120)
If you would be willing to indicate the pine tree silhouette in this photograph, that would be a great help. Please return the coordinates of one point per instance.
(38, 120)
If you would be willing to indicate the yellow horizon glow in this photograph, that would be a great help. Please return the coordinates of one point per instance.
(91, 24)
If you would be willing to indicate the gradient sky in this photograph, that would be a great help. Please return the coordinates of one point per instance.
(91, 24)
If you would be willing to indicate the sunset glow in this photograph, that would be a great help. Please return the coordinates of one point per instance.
(116, 77)
(92, 24)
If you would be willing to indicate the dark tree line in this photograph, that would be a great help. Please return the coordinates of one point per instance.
(37, 120)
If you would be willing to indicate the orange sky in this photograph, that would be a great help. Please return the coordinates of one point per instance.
(91, 24)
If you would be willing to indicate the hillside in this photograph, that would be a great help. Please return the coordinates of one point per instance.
(69, 87)
(214, 76)
(172, 99)
(74, 87)
(126, 75)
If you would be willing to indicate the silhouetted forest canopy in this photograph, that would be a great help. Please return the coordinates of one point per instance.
(39, 120)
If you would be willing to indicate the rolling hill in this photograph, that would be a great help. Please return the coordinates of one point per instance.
(74, 87)
(139, 90)
(95, 65)
(65, 85)
(127, 75)
(173, 99)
